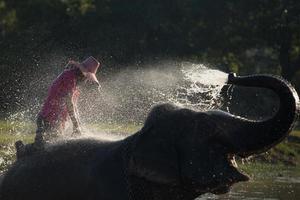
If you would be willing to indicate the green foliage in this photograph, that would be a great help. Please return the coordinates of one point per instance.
(16, 127)
(232, 62)
(7, 148)
(115, 128)
(8, 18)
(296, 133)
(258, 170)
(222, 28)
(78, 7)
(286, 153)
(250, 36)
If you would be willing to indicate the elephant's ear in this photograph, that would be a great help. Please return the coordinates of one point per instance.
(154, 157)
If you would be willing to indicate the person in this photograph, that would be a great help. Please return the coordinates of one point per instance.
(61, 102)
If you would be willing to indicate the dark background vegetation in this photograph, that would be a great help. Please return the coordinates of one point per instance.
(249, 36)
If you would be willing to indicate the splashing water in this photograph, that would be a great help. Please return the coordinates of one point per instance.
(201, 88)
(128, 95)
(199, 73)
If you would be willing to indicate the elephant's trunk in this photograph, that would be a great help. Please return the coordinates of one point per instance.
(259, 136)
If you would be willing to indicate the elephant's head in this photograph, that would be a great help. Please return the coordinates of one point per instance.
(195, 150)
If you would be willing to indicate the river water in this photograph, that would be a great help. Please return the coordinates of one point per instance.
(278, 187)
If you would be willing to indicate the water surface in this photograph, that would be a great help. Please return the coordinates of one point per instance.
(273, 187)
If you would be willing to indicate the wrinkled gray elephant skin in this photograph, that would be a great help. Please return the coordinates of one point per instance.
(179, 154)
(1, 178)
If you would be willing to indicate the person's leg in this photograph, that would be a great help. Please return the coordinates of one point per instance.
(20, 149)
(40, 131)
(52, 131)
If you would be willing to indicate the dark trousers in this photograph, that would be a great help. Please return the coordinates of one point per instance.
(43, 127)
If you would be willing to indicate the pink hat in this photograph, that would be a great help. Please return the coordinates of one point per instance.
(89, 68)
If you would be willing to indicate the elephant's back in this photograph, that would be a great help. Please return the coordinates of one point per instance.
(1, 180)
(58, 171)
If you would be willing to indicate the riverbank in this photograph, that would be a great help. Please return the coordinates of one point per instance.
(286, 153)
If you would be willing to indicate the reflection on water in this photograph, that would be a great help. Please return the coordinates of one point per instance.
(276, 188)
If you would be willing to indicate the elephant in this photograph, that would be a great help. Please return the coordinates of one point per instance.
(178, 154)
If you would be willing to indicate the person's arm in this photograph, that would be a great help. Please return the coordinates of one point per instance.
(73, 114)
(77, 114)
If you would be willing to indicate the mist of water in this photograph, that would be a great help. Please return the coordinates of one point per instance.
(128, 94)
(200, 88)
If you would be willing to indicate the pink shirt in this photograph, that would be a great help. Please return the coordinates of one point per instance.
(55, 109)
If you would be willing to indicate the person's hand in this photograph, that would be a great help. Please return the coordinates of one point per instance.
(76, 131)
(73, 62)
(99, 87)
